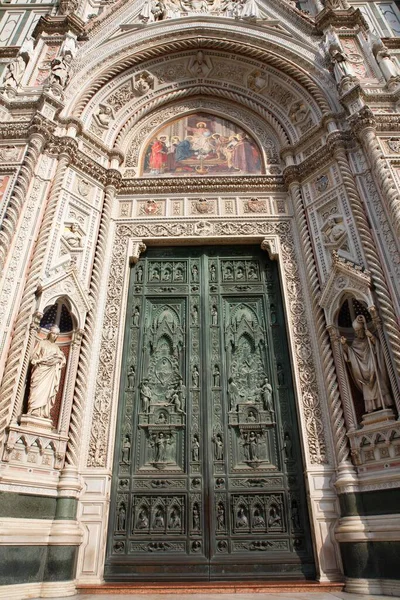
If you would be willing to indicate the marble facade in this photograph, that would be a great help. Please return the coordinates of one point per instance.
(317, 88)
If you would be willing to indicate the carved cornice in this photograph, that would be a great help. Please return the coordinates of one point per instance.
(388, 122)
(113, 178)
(291, 175)
(342, 19)
(316, 161)
(41, 126)
(364, 119)
(196, 185)
(9, 51)
(392, 43)
(59, 25)
(63, 145)
(14, 131)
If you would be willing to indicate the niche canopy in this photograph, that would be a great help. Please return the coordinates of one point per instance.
(201, 144)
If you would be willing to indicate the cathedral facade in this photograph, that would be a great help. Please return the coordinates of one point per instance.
(199, 293)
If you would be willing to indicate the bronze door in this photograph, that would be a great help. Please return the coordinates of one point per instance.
(207, 480)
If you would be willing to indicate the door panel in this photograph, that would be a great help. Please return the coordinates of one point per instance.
(207, 480)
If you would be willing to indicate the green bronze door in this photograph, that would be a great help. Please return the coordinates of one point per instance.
(207, 480)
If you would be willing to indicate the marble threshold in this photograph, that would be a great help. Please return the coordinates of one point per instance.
(179, 588)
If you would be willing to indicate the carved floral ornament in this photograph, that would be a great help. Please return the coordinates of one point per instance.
(107, 376)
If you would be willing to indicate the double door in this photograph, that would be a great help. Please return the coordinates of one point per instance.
(207, 480)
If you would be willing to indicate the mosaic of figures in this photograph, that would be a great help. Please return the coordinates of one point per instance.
(201, 144)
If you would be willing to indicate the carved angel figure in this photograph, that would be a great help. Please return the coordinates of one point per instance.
(367, 366)
(47, 362)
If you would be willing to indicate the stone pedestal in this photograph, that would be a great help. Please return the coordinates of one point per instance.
(380, 416)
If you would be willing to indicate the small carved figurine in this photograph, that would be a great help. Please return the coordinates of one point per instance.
(145, 395)
(214, 315)
(216, 376)
(195, 448)
(195, 377)
(126, 449)
(121, 517)
(131, 377)
(142, 520)
(241, 518)
(136, 317)
(220, 516)
(266, 394)
(218, 447)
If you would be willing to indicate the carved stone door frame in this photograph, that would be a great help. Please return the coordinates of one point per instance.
(278, 238)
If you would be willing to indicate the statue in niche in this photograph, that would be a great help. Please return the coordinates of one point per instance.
(220, 516)
(131, 377)
(341, 67)
(367, 366)
(121, 517)
(252, 275)
(159, 522)
(14, 72)
(160, 444)
(195, 274)
(280, 374)
(288, 446)
(136, 317)
(145, 395)
(274, 519)
(60, 69)
(155, 274)
(334, 233)
(251, 417)
(218, 447)
(258, 520)
(175, 520)
(214, 315)
(228, 273)
(167, 274)
(171, 448)
(126, 449)
(241, 518)
(266, 395)
(216, 376)
(195, 377)
(253, 443)
(213, 273)
(162, 418)
(195, 448)
(139, 274)
(182, 393)
(143, 519)
(195, 315)
(47, 362)
(104, 115)
(196, 517)
(233, 393)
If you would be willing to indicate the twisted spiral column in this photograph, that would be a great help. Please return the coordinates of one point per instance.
(81, 382)
(381, 288)
(383, 175)
(342, 450)
(15, 372)
(13, 211)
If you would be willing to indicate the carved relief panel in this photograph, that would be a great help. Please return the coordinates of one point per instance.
(207, 459)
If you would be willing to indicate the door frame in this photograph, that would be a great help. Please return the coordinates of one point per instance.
(277, 237)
